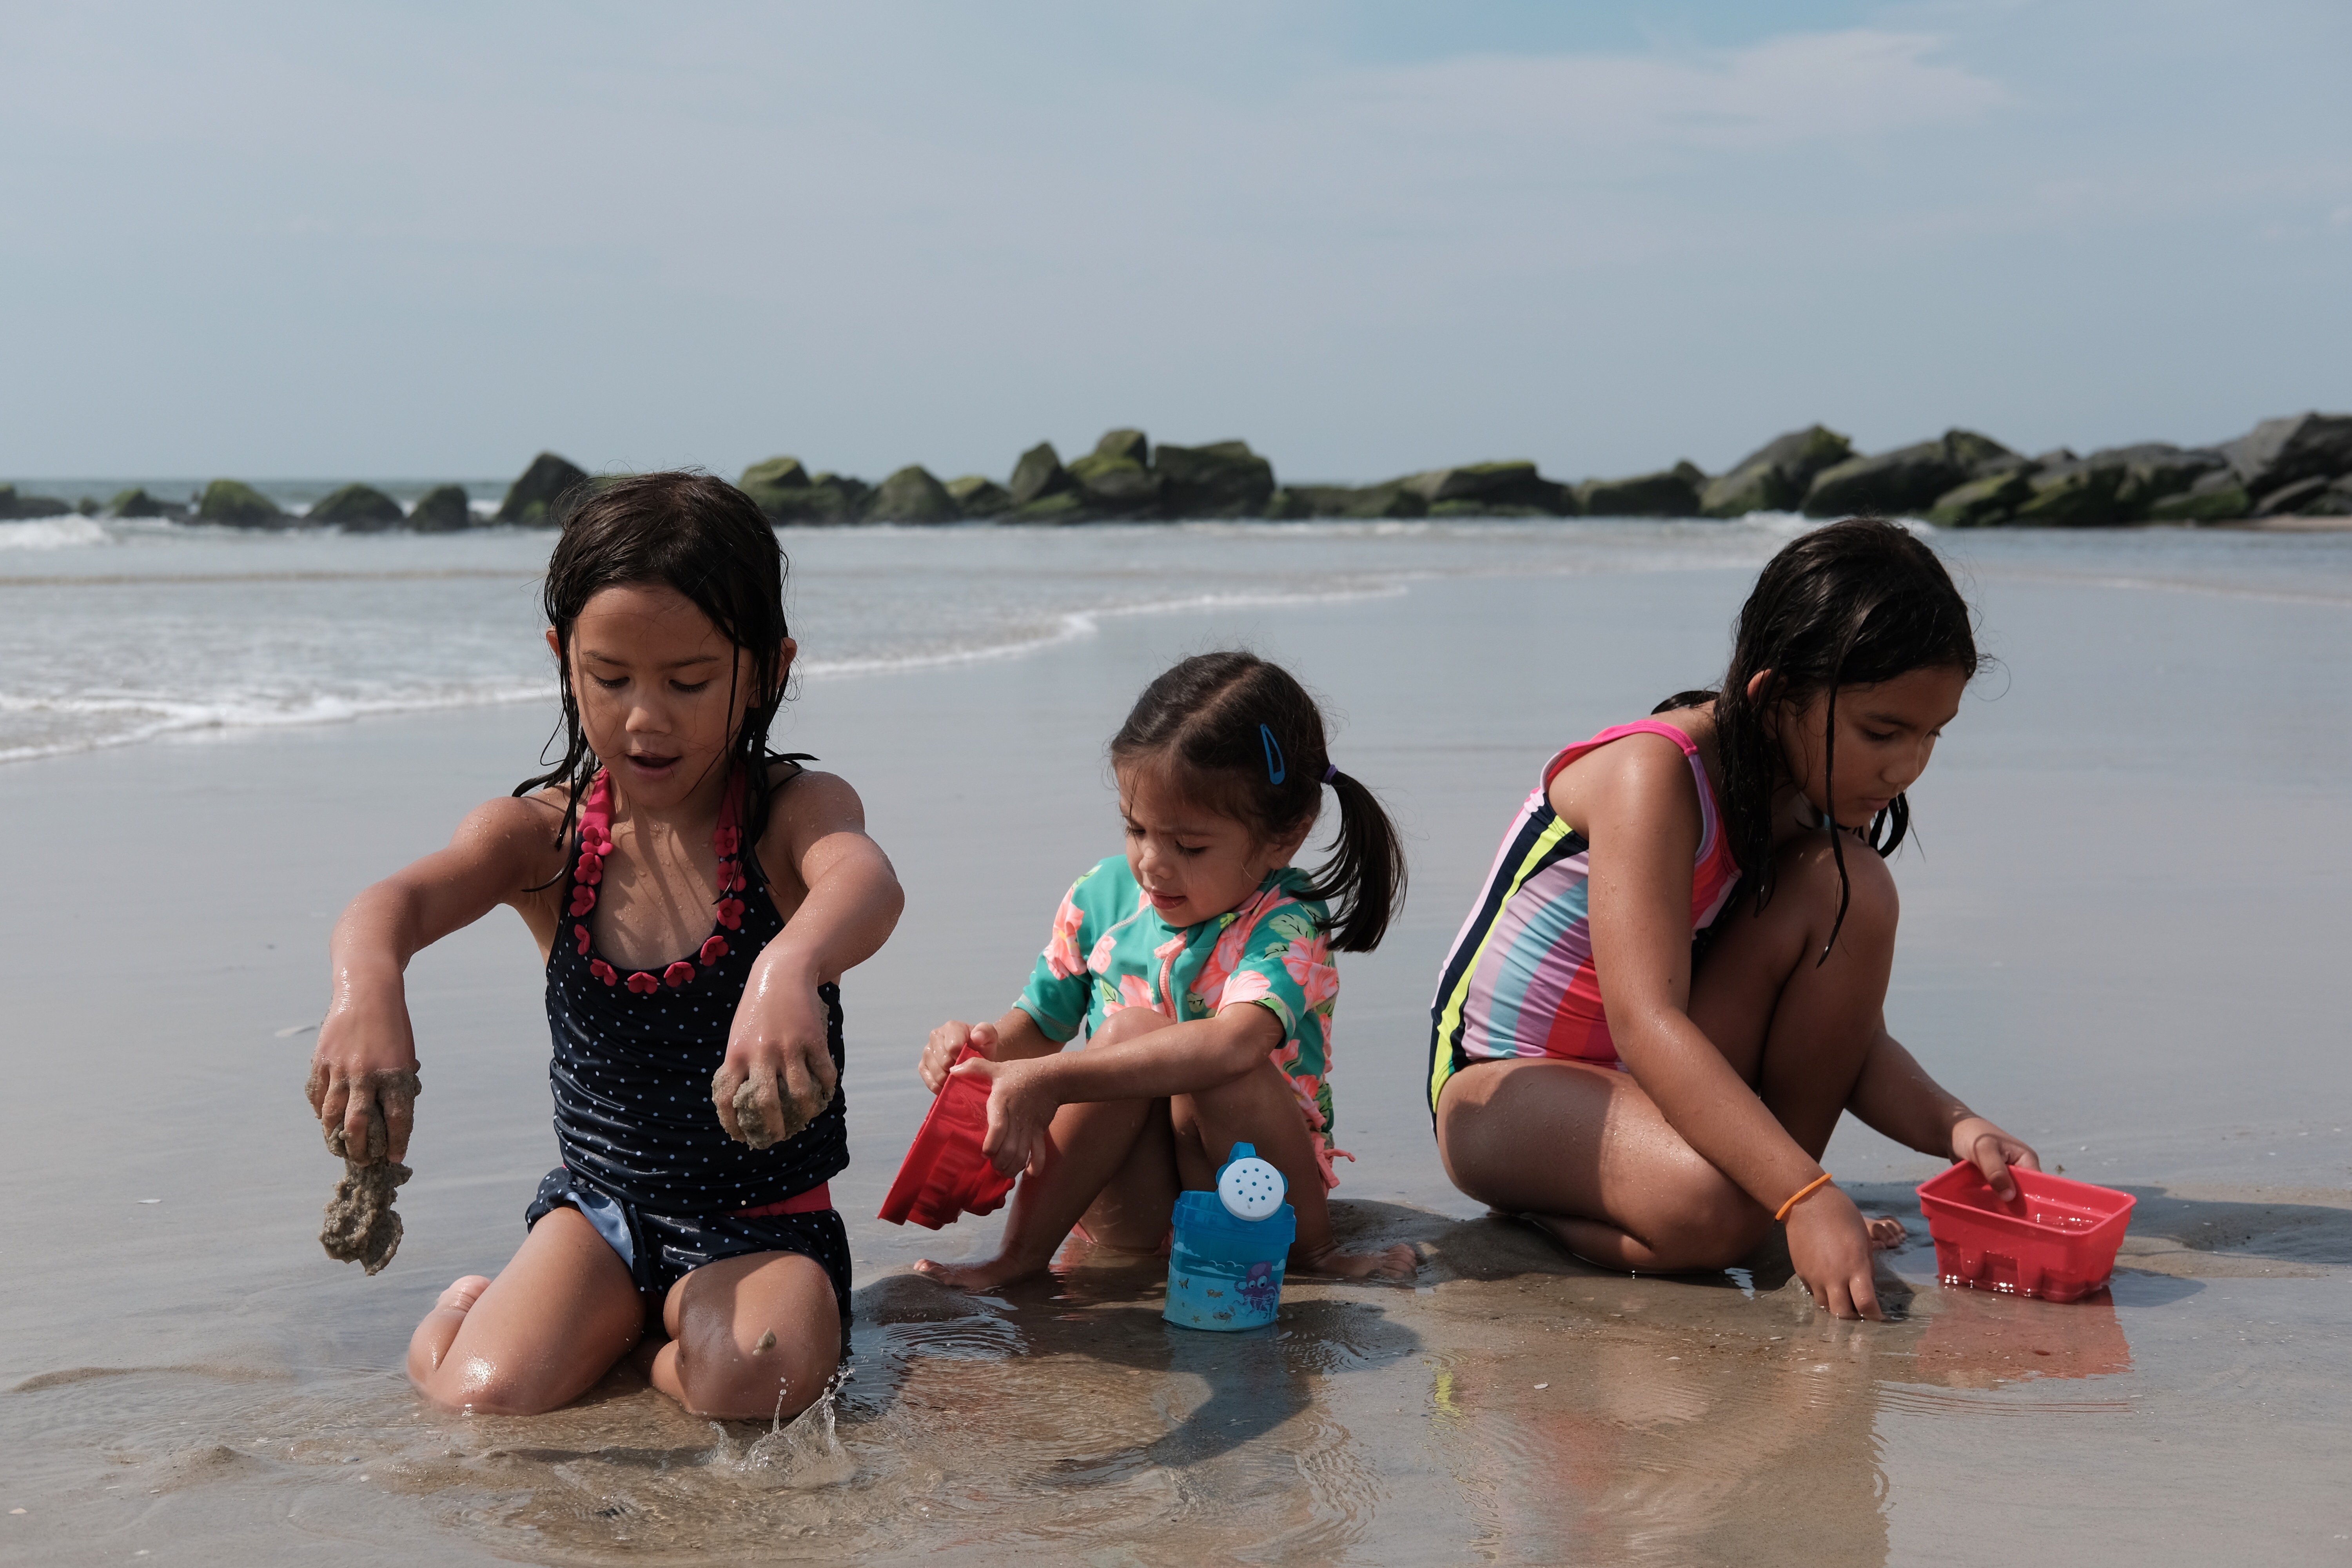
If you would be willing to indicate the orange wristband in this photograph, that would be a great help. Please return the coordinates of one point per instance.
(1808, 1190)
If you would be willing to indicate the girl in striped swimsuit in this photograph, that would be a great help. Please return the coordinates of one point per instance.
(1673, 983)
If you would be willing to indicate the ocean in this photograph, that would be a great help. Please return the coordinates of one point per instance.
(115, 632)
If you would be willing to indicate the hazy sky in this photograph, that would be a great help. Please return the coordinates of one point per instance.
(428, 239)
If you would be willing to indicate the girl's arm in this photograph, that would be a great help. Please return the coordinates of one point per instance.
(1895, 1095)
(1182, 1059)
(502, 848)
(1640, 812)
(817, 827)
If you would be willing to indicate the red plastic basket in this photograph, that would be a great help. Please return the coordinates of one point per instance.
(944, 1175)
(2056, 1239)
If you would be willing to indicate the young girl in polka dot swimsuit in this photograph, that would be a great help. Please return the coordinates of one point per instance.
(696, 900)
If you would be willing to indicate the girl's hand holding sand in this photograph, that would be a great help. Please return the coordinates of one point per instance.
(1199, 964)
(779, 1069)
(359, 1049)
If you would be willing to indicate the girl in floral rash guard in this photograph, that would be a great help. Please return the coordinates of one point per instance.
(1198, 965)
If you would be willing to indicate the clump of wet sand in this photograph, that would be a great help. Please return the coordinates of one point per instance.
(361, 1225)
(767, 1111)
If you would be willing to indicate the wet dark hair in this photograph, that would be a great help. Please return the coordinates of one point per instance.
(1246, 740)
(709, 542)
(1854, 604)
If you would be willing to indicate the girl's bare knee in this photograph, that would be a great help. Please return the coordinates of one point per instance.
(469, 1383)
(778, 1383)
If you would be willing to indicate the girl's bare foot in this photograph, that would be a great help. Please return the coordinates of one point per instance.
(1886, 1233)
(1395, 1265)
(984, 1276)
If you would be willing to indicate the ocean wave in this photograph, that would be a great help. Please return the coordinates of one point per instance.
(1074, 624)
(109, 721)
(52, 533)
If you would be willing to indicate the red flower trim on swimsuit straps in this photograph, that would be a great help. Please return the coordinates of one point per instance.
(596, 846)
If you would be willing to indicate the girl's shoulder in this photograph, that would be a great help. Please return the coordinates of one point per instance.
(1644, 766)
(805, 804)
(535, 819)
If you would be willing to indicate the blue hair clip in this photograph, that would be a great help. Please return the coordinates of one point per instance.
(1275, 769)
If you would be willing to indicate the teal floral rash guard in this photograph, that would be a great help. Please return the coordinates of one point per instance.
(1111, 951)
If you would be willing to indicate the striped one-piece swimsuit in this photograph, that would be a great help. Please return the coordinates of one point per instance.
(1519, 981)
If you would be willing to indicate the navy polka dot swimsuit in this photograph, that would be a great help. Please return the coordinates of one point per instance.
(645, 1159)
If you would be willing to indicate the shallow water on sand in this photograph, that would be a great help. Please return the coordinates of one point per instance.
(2120, 920)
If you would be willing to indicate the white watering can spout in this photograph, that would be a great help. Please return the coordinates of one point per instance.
(1249, 1187)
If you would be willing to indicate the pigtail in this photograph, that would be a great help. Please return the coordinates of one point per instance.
(1249, 742)
(1364, 880)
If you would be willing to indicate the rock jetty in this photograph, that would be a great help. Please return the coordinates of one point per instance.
(2297, 466)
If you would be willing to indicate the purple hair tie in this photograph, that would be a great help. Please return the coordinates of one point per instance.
(1330, 773)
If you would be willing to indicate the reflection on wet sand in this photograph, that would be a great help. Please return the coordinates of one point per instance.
(1517, 1406)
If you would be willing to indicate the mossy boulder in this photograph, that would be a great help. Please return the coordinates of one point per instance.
(1907, 481)
(774, 486)
(2280, 452)
(2336, 501)
(1061, 506)
(1493, 489)
(15, 506)
(912, 495)
(2297, 500)
(2217, 497)
(1392, 499)
(357, 508)
(977, 495)
(443, 508)
(2156, 472)
(1116, 485)
(1039, 474)
(1775, 476)
(1982, 502)
(782, 473)
(1224, 478)
(2080, 494)
(134, 502)
(232, 503)
(1669, 492)
(835, 498)
(1130, 443)
(788, 493)
(537, 494)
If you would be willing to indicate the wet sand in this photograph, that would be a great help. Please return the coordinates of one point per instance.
(2121, 925)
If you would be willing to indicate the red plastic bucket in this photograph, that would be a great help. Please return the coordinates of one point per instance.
(944, 1175)
(2056, 1239)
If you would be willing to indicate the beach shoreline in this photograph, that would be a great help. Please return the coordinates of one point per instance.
(192, 1371)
